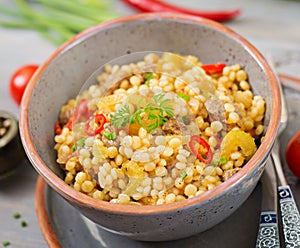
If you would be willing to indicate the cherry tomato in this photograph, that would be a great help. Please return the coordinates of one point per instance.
(19, 81)
(292, 154)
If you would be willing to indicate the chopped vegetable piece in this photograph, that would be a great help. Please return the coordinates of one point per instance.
(110, 135)
(148, 77)
(74, 147)
(6, 243)
(223, 160)
(58, 128)
(135, 174)
(238, 140)
(23, 223)
(183, 96)
(69, 125)
(111, 100)
(201, 149)
(183, 175)
(80, 142)
(185, 119)
(99, 120)
(292, 154)
(17, 215)
(211, 69)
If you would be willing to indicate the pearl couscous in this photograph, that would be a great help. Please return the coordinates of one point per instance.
(169, 128)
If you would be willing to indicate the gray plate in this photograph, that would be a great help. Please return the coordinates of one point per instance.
(71, 229)
(74, 230)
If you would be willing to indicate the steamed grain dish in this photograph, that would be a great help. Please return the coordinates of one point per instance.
(159, 130)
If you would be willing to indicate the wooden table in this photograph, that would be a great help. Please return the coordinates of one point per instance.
(273, 26)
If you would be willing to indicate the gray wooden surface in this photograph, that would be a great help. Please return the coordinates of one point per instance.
(273, 26)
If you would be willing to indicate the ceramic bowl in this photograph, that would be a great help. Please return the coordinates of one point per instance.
(62, 75)
(11, 150)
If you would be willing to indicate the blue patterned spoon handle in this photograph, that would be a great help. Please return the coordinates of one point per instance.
(268, 230)
(290, 217)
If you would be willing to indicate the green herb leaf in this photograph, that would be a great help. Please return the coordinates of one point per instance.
(122, 117)
(148, 77)
(23, 223)
(183, 175)
(218, 162)
(74, 147)
(223, 160)
(185, 119)
(6, 243)
(156, 110)
(110, 135)
(80, 142)
(183, 96)
(17, 215)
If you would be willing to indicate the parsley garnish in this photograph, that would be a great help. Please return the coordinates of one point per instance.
(223, 160)
(6, 243)
(110, 135)
(74, 147)
(23, 223)
(122, 117)
(157, 110)
(17, 215)
(80, 142)
(183, 175)
(183, 96)
(148, 77)
(185, 119)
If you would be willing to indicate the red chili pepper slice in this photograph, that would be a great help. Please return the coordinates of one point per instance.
(160, 6)
(100, 120)
(58, 128)
(70, 123)
(201, 149)
(211, 69)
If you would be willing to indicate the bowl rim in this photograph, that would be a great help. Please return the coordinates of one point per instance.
(82, 200)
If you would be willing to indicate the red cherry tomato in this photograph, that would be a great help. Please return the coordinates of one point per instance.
(19, 81)
(292, 154)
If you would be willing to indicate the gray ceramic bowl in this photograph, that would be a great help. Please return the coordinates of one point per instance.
(61, 78)
(11, 150)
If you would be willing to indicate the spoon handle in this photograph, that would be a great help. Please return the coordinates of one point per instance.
(290, 217)
(268, 231)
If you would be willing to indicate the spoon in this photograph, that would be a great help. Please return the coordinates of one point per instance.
(268, 229)
(289, 212)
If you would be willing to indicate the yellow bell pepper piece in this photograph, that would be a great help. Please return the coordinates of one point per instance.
(235, 140)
